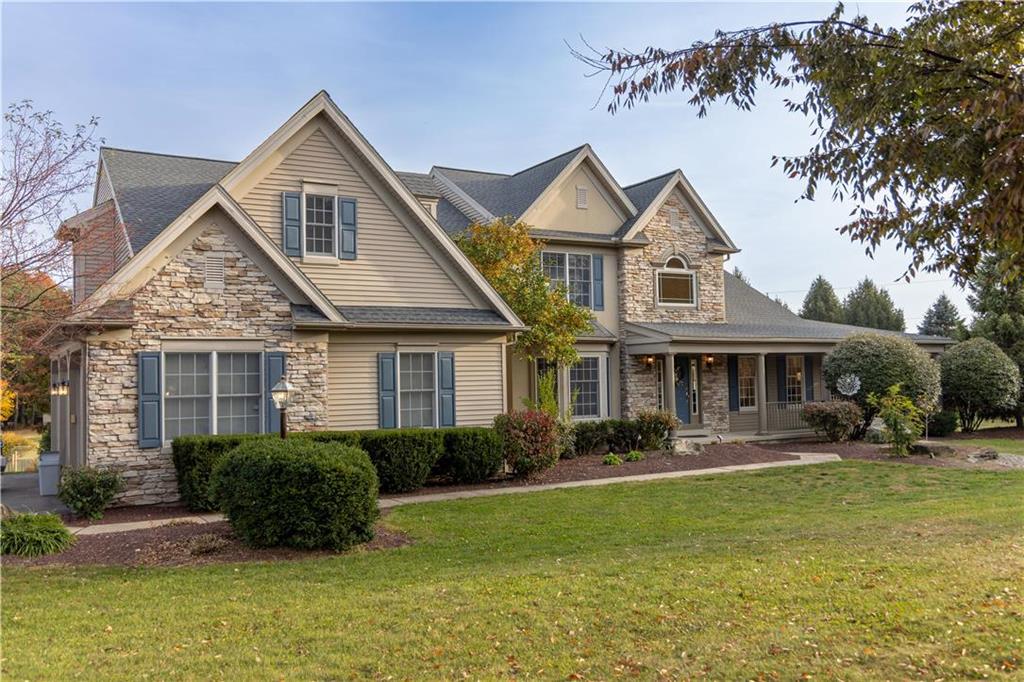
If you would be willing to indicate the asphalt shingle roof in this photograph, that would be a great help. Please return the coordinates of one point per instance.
(419, 184)
(154, 189)
(373, 314)
(752, 315)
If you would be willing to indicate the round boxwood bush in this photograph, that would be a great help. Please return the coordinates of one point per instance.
(880, 361)
(87, 491)
(471, 454)
(297, 493)
(33, 535)
(978, 380)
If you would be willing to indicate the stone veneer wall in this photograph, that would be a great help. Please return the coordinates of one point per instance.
(715, 394)
(175, 303)
(637, 304)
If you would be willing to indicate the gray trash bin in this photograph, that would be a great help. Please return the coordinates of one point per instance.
(49, 473)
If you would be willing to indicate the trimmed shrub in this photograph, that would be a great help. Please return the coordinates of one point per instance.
(87, 491)
(624, 435)
(655, 427)
(194, 460)
(297, 493)
(471, 455)
(591, 437)
(979, 380)
(942, 423)
(33, 535)
(529, 441)
(353, 438)
(634, 456)
(901, 418)
(880, 361)
(834, 420)
(403, 457)
(612, 460)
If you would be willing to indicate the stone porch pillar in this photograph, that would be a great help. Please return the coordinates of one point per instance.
(762, 395)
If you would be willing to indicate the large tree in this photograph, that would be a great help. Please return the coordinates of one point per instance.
(921, 125)
(509, 258)
(942, 319)
(821, 302)
(998, 305)
(869, 306)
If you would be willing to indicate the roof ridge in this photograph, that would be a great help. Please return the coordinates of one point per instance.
(656, 177)
(541, 163)
(470, 170)
(173, 156)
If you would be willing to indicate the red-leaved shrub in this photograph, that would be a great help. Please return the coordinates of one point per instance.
(530, 441)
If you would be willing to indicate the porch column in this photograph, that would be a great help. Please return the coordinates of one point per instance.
(669, 383)
(762, 395)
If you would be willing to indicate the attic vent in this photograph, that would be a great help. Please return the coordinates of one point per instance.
(581, 197)
(673, 218)
(214, 271)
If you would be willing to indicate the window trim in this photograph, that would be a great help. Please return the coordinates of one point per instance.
(335, 230)
(665, 269)
(602, 388)
(739, 378)
(565, 279)
(213, 388)
(398, 388)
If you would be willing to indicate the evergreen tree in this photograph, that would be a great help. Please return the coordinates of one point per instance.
(739, 275)
(942, 319)
(869, 306)
(998, 305)
(821, 302)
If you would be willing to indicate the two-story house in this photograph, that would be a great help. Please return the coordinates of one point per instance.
(200, 283)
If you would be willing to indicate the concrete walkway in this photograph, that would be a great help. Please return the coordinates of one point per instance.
(20, 492)
(390, 502)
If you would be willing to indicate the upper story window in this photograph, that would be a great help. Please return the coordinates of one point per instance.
(575, 271)
(320, 225)
(581, 197)
(676, 284)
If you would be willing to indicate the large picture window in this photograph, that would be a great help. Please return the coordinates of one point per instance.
(207, 393)
(417, 389)
(794, 378)
(676, 284)
(319, 225)
(575, 271)
(747, 382)
(585, 387)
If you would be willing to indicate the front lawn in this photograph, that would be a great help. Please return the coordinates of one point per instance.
(853, 570)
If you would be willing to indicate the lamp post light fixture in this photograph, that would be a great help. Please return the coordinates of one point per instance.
(281, 395)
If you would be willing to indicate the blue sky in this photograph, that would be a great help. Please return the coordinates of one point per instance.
(489, 86)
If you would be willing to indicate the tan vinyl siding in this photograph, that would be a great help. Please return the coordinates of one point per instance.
(352, 378)
(392, 267)
(559, 210)
(743, 422)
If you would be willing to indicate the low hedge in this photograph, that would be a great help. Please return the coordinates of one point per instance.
(403, 457)
(591, 437)
(471, 454)
(194, 459)
(297, 493)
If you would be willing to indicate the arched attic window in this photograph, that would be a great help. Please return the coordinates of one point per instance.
(676, 283)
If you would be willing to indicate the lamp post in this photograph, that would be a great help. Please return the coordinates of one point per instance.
(281, 395)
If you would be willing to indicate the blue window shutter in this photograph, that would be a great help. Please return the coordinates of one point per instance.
(347, 228)
(780, 367)
(446, 388)
(150, 423)
(276, 363)
(598, 270)
(291, 223)
(387, 399)
(734, 383)
(808, 378)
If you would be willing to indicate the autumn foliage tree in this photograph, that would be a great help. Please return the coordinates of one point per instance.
(509, 258)
(921, 125)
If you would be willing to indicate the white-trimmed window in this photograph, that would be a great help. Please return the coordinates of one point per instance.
(585, 387)
(575, 271)
(208, 393)
(794, 378)
(417, 389)
(676, 284)
(320, 225)
(746, 380)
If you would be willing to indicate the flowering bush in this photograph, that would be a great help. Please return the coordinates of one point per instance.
(530, 441)
(835, 420)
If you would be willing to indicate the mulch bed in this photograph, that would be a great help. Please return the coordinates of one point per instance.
(185, 544)
(879, 453)
(151, 512)
(589, 467)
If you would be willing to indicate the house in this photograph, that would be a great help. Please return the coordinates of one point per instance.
(200, 283)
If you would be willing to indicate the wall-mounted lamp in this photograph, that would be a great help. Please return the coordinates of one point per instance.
(54, 389)
(647, 360)
(709, 361)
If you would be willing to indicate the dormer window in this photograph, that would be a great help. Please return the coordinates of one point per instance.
(581, 197)
(319, 225)
(676, 284)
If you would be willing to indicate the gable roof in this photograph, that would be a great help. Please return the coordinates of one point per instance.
(752, 315)
(151, 190)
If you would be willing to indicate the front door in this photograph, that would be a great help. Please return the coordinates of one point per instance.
(683, 388)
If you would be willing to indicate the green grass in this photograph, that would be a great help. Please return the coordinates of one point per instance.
(852, 570)
(1009, 446)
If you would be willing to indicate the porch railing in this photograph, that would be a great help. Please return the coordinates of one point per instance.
(785, 417)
